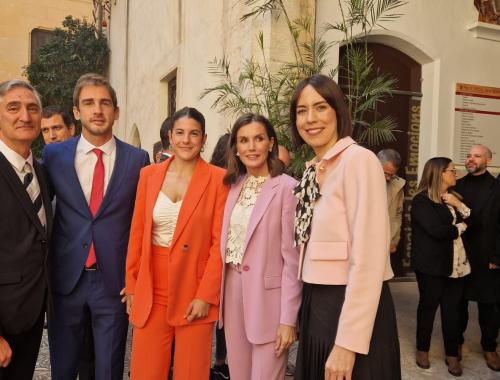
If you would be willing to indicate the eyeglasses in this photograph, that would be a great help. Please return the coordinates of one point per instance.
(454, 171)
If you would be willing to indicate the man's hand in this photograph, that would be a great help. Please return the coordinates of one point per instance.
(197, 309)
(339, 364)
(128, 299)
(285, 336)
(5, 352)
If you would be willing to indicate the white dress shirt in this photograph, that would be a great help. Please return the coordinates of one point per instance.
(18, 162)
(85, 161)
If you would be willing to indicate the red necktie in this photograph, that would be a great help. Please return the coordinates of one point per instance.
(96, 196)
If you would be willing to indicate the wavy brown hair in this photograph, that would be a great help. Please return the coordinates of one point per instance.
(235, 168)
(432, 179)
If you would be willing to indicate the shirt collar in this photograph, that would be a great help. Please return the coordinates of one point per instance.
(15, 159)
(86, 147)
(339, 147)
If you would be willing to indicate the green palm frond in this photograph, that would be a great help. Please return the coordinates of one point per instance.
(378, 132)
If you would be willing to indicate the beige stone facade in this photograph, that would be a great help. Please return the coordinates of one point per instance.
(20, 17)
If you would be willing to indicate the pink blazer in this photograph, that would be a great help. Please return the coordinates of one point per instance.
(349, 243)
(271, 290)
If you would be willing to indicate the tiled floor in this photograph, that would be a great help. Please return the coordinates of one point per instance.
(405, 297)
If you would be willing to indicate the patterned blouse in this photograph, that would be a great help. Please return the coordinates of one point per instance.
(240, 218)
(461, 266)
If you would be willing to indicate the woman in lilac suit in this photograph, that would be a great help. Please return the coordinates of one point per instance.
(260, 291)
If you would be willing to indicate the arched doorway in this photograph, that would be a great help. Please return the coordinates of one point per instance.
(404, 106)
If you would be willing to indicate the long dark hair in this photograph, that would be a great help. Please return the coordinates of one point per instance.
(235, 168)
(331, 92)
(219, 155)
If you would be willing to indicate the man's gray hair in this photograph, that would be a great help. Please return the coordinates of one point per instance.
(6, 86)
(390, 155)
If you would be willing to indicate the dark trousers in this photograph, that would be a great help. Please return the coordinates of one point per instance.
(25, 349)
(89, 300)
(489, 323)
(447, 293)
(86, 370)
(220, 347)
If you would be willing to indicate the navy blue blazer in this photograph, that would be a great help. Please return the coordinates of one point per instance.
(75, 228)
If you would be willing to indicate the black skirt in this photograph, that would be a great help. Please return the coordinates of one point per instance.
(319, 316)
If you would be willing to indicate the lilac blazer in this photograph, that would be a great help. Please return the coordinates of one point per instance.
(271, 290)
(349, 243)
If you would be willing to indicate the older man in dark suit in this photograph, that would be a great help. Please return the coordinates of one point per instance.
(25, 225)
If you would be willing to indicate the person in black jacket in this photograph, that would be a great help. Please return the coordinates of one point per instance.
(481, 194)
(438, 258)
(25, 228)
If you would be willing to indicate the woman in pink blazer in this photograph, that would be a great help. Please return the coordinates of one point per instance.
(260, 295)
(347, 322)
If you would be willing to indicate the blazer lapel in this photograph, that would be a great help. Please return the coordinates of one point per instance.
(231, 200)
(117, 176)
(19, 191)
(196, 188)
(265, 197)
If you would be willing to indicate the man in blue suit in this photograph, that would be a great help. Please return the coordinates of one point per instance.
(94, 178)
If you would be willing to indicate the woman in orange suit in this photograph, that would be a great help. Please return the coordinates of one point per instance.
(174, 265)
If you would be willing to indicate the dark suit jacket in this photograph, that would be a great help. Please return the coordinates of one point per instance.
(23, 251)
(480, 239)
(432, 236)
(75, 228)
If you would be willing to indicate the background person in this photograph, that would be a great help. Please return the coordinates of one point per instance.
(25, 228)
(260, 290)
(94, 178)
(390, 160)
(481, 241)
(438, 258)
(348, 324)
(173, 263)
(57, 125)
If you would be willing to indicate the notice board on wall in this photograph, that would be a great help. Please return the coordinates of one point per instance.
(477, 120)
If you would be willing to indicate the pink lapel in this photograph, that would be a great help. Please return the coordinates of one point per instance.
(265, 197)
(232, 197)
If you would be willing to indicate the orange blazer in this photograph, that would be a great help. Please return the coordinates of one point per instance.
(195, 263)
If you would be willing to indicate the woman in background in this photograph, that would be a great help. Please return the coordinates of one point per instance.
(438, 258)
(173, 269)
(347, 322)
(260, 291)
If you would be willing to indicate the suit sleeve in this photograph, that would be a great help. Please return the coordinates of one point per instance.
(368, 220)
(136, 236)
(209, 288)
(291, 287)
(146, 161)
(424, 214)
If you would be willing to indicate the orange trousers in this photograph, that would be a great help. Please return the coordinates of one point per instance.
(151, 344)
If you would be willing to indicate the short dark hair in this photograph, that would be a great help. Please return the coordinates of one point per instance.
(235, 168)
(50, 111)
(165, 127)
(190, 113)
(331, 92)
(219, 155)
(92, 79)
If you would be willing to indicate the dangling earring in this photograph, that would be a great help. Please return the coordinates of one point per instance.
(203, 148)
(170, 147)
(238, 154)
(270, 149)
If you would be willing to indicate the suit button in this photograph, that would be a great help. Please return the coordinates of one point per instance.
(246, 268)
(85, 245)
